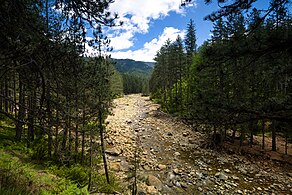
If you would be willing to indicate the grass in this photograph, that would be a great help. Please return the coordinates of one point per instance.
(20, 174)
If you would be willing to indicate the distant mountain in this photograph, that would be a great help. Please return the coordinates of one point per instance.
(132, 66)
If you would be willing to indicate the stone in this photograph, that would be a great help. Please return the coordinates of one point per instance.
(128, 121)
(113, 151)
(176, 154)
(192, 141)
(151, 190)
(200, 189)
(183, 184)
(243, 171)
(185, 134)
(217, 174)
(161, 167)
(154, 181)
(171, 176)
(259, 188)
(235, 178)
(199, 175)
(176, 171)
(227, 171)
(221, 176)
(177, 184)
(239, 192)
(227, 186)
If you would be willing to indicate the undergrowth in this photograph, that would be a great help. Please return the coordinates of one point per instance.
(21, 173)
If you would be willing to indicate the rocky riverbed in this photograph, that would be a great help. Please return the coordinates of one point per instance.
(168, 158)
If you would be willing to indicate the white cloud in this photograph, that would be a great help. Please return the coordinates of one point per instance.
(148, 52)
(122, 41)
(137, 15)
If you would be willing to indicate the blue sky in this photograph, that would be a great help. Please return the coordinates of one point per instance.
(148, 24)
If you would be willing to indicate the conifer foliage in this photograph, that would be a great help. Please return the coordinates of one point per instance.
(56, 96)
(240, 79)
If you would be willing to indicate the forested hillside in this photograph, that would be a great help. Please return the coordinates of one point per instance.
(132, 66)
(239, 81)
(135, 75)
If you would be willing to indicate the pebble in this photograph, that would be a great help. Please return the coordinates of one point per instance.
(176, 171)
(161, 167)
(235, 178)
(177, 184)
(183, 184)
(227, 171)
(199, 170)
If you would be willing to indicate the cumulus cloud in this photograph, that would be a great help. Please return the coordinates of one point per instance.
(149, 50)
(136, 16)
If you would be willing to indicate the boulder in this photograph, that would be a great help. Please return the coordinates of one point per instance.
(161, 167)
(154, 181)
(113, 151)
(221, 176)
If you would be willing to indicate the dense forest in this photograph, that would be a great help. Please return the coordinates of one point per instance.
(239, 81)
(53, 97)
(135, 74)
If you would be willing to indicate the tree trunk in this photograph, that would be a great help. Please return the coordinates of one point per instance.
(76, 143)
(286, 142)
(274, 147)
(263, 134)
(70, 137)
(2, 96)
(233, 134)
(251, 128)
(15, 96)
(180, 94)
(76, 127)
(65, 133)
(49, 129)
(83, 137)
(6, 94)
(164, 97)
(31, 110)
(241, 136)
(57, 134)
(102, 144)
(21, 112)
(90, 159)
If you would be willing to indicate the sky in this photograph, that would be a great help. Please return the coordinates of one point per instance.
(149, 23)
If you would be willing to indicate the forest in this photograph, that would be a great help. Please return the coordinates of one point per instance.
(55, 95)
(239, 81)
